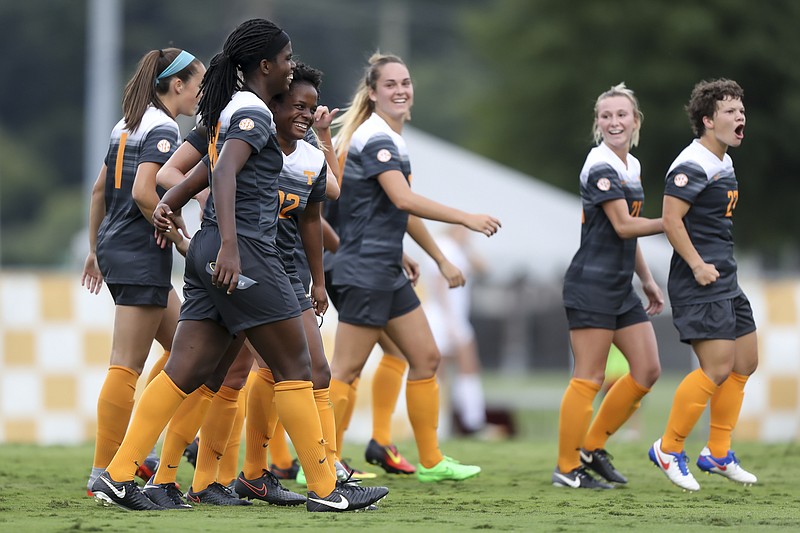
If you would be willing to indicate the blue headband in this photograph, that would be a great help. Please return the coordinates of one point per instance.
(180, 62)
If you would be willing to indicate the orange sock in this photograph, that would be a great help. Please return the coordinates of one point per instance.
(621, 401)
(573, 421)
(322, 398)
(422, 402)
(690, 401)
(114, 407)
(214, 436)
(294, 401)
(158, 367)
(158, 403)
(182, 430)
(229, 465)
(259, 407)
(340, 400)
(279, 453)
(726, 404)
(386, 384)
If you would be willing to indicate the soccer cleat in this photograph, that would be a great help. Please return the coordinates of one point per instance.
(674, 467)
(346, 497)
(357, 473)
(167, 495)
(447, 469)
(599, 460)
(577, 479)
(727, 466)
(285, 473)
(190, 452)
(125, 494)
(215, 494)
(388, 458)
(148, 468)
(266, 488)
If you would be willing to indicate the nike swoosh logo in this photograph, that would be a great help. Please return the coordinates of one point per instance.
(574, 483)
(586, 458)
(342, 504)
(119, 493)
(392, 457)
(261, 491)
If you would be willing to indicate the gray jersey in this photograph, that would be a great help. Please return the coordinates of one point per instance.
(698, 177)
(127, 252)
(371, 228)
(600, 275)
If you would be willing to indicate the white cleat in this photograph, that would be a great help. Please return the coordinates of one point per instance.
(674, 467)
(727, 466)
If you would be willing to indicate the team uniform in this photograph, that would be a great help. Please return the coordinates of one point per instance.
(719, 310)
(598, 290)
(136, 270)
(367, 268)
(272, 298)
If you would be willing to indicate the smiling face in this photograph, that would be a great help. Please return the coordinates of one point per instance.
(294, 114)
(393, 94)
(617, 123)
(280, 71)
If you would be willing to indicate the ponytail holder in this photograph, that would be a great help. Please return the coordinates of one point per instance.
(180, 62)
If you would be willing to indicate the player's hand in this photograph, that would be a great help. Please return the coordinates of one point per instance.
(323, 117)
(411, 268)
(705, 274)
(319, 299)
(655, 298)
(453, 275)
(486, 224)
(92, 278)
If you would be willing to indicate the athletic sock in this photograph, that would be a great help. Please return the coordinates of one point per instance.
(422, 402)
(259, 408)
(229, 465)
(469, 401)
(573, 421)
(114, 407)
(726, 404)
(294, 401)
(386, 385)
(691, 398)
(620, 402)
(158, 403)
(214, 434)
(182, 430)
(322, 399)
(158, 366)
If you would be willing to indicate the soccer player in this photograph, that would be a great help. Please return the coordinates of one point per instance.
(601, 304)
(709, 309)
(235, 279)
(122, 248)
(376, 207)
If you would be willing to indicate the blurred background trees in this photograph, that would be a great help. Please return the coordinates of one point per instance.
(514, 80)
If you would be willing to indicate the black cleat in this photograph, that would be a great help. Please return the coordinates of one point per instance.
(215, 494)
(578, 479)
(167, 495)
(191, 452)
(346, 497)
(286, 473)
(600, 461)
(126, 495)
(266, 488)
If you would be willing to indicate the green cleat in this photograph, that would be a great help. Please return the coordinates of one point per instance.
(447, 469)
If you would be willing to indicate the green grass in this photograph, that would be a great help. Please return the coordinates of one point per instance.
(42, 489)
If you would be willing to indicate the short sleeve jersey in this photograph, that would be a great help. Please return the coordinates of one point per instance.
(600, 275)
(371, 228)
(302, 180)
(126, 248)
(247, 117)
(709, 184)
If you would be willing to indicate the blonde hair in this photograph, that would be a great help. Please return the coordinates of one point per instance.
(361, 107)
(618, 90)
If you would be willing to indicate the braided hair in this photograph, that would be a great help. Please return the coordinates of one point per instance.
(242, 52)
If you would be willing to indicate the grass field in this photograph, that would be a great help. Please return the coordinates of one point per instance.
(42, 488)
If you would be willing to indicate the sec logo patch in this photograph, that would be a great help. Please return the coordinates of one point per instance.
(163, 146)
(604, 184)
(384, 155)
(681, 180)
(246, 124)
